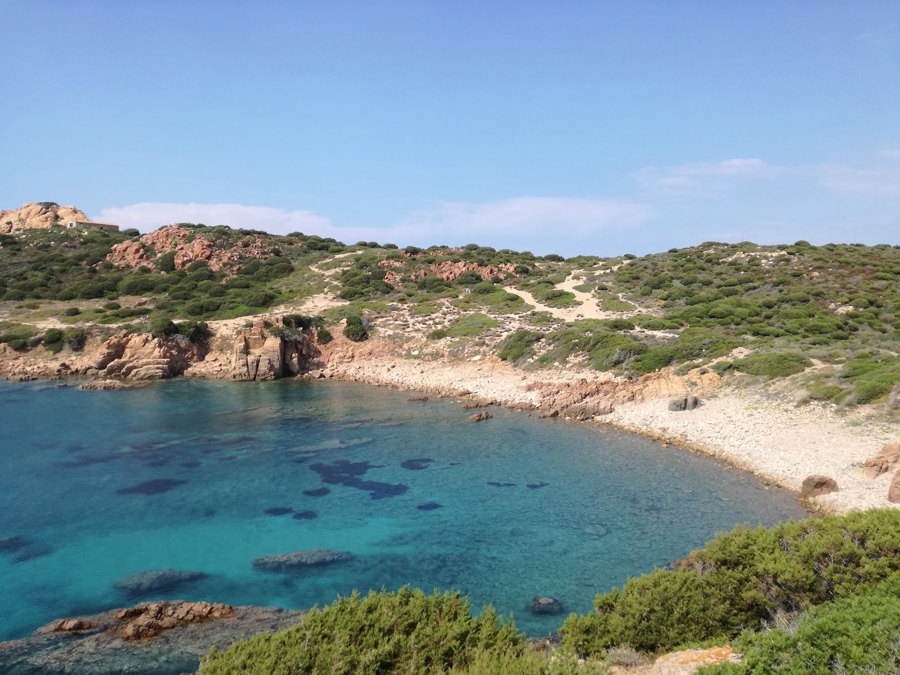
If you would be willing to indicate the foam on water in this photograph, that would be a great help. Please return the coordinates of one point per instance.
(207, 476)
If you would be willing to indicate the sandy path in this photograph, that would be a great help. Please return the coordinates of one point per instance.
(586, 309)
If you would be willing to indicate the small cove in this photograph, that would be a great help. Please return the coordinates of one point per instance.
(206, 476)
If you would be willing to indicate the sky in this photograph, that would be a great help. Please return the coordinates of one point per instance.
(574, 127)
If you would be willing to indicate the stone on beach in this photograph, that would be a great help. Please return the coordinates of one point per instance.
(816, 485)
(685, 403)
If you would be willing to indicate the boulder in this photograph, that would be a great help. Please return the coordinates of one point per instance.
(816, 485)
(480, 416)
(543, 606)
(296, 560)
(894, 489)
(685, 403)
(156, 581)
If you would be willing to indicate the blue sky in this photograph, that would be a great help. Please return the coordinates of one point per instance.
(570, 127)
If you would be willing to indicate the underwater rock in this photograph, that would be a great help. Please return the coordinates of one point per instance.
(429, 506)
(537, 486)
(318, 492)
(416, 464)
(543, 606)
(156, 581)
(278, 511)
(417, 399)
(151, 487)
(345, 472)
(480, 416)
(497, 483)
(32, 550)
(305, 515)
(285, 562)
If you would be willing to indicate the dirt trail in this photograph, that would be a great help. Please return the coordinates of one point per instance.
(587, 309)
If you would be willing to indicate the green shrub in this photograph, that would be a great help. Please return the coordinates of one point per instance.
(854, 635)
(323, 335)
(406, 631)
(517, 344)
(72, 311)
(355, 329)
(75, 338)
(741, 579)
(54, 340)
(772, 364)
(437, 334)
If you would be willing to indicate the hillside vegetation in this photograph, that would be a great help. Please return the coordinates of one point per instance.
(825, 315)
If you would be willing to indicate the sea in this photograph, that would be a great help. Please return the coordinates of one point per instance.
(205, 477)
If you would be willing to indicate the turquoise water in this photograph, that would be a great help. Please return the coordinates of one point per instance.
(206, 476)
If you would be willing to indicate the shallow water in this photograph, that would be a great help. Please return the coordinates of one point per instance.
(206, 476)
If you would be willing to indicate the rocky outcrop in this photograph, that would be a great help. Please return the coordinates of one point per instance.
(816, 485)
(480, 416)
(158, 637)
(259, 353)
(685, 403)
(188, 246)
(286, 562)
(43, 215)
(144, 357)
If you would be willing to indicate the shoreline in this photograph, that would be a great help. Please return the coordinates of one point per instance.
(749, 428)
(752, 430)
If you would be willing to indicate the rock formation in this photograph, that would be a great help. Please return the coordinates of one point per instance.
(260, 354)
(188, 246)
(155, 638)
(816, 485)
(43, 215)
(685, 403)
(542, 606)
(894, 489)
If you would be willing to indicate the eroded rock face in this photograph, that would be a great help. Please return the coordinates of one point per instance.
(144, 357)
(258, 354)
(285, 562)
(816, 485)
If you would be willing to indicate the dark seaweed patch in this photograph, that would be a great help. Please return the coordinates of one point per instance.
(345, 472)
(318, 492)
(278, 510)
(537, 486)
(429, 506)
(151, 487)
(496, 483)
(417, 464)
(305, 515)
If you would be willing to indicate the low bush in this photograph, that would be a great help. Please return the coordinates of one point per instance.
(772, 365)
(355, 329)
(854, 635)
(406, 631)
(741, 579)
(517, 344)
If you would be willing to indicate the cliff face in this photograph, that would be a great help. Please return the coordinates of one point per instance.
(255, 353)
(41, 215)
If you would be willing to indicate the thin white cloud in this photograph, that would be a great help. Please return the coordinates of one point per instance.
(148, 216)
(702, 179)
(541, 224)
(882, 181)
(890, 153)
